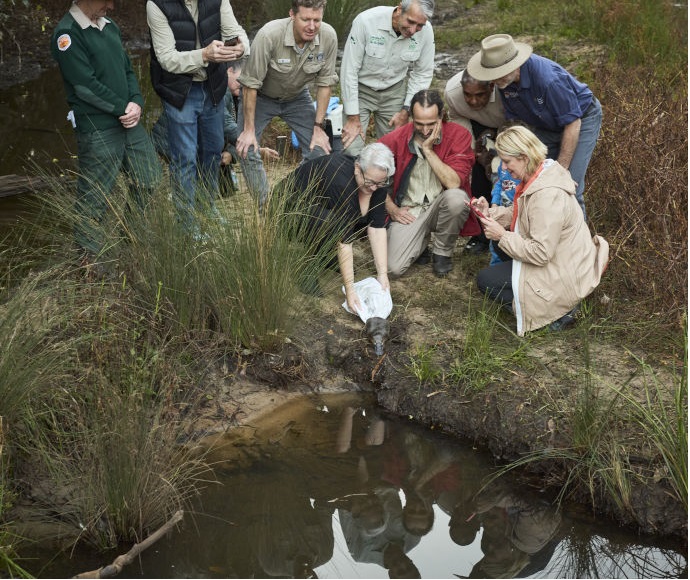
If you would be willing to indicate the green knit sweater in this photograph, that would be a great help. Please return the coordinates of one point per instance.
(97, 73)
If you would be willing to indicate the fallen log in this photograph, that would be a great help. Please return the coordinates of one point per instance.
(18, 184)
(123, 560)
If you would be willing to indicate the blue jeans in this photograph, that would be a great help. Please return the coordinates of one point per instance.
(195, 139)
(298, 113)
(589, 134)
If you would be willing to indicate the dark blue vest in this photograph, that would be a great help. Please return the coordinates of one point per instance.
(174, 88)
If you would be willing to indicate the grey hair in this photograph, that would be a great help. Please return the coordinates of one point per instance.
(379, 156)
(427, 6)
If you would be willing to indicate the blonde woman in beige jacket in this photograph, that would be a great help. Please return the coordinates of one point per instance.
(554, 262)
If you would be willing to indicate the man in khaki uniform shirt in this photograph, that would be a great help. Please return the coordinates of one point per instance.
(388, 58)
(286, 56)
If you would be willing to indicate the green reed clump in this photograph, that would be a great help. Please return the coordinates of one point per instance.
(108, 433)
(662, 416)
(242, 277)
(483, 356)
(36, 344)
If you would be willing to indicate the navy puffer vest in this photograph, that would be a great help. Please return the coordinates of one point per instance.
(174, 88)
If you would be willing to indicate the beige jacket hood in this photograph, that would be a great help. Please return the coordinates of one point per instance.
(556, 261)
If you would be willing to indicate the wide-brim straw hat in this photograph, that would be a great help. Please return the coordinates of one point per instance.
(499, 55)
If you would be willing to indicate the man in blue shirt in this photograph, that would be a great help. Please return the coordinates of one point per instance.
(561, 110)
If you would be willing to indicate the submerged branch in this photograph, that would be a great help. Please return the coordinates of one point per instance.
(122, 560)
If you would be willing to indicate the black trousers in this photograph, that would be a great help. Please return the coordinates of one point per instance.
(495, 282)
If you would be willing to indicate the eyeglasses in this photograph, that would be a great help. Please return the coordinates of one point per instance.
(376, 184)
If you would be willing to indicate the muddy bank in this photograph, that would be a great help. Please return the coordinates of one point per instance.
(525, 409)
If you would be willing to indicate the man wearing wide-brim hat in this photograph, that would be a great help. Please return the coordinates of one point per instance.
(562, 111)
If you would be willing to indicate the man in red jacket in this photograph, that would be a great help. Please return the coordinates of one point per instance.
(433, 161)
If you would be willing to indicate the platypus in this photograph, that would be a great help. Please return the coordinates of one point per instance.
(378, 329)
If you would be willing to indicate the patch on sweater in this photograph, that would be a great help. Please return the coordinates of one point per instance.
(64, 42)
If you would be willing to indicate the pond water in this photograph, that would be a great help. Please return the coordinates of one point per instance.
(329, 487)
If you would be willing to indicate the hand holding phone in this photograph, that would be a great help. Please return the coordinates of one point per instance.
(475, 210)
(234, 41)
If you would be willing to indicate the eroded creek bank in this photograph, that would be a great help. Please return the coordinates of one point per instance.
(525, 409)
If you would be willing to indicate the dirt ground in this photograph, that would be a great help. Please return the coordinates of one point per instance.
(522, 409)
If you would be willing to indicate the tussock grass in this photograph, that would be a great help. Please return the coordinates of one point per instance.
(662, 415)
(598, 421)
(36, 345)
(483, 358)
(98, 365)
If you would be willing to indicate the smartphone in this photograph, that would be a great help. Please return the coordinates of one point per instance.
(234, 41)
(475, 210)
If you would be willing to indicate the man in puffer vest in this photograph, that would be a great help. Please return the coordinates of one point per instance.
(191, 43)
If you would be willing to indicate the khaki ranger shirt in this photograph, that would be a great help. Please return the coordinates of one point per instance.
(491, 115)
(377, 57)
(277, 71)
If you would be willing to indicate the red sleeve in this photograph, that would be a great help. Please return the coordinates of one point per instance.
(458, 153)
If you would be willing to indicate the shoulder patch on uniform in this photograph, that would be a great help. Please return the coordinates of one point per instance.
(64, 42)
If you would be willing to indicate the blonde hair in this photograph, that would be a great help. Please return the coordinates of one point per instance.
(518, 141)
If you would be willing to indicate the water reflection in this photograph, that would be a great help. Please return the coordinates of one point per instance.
(330, 488)
(34, 126)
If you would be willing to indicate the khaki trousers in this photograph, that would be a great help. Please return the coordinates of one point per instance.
(383, 105)
(445, 217)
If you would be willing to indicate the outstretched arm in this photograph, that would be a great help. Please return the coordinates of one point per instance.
(347, 270)
(247, 137)
(378, 239)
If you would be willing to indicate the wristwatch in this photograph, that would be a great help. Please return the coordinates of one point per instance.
(322, 124)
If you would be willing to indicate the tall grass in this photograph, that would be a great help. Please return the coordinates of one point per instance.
(664, 421)
(97, 413)
(36, 345)
(9, 566)
(483, 356)
(243, 280)
(598, 421)
(95, 371)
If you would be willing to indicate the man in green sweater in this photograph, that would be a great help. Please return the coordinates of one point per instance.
(103, 93)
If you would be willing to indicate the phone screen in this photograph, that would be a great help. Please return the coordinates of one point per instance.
(475, 211)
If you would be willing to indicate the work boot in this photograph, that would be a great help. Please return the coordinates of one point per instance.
(477, 245)
(566, 320)
(424, 258)
(442, 265)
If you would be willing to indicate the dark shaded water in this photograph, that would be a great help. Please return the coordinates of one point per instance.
(329, 488)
